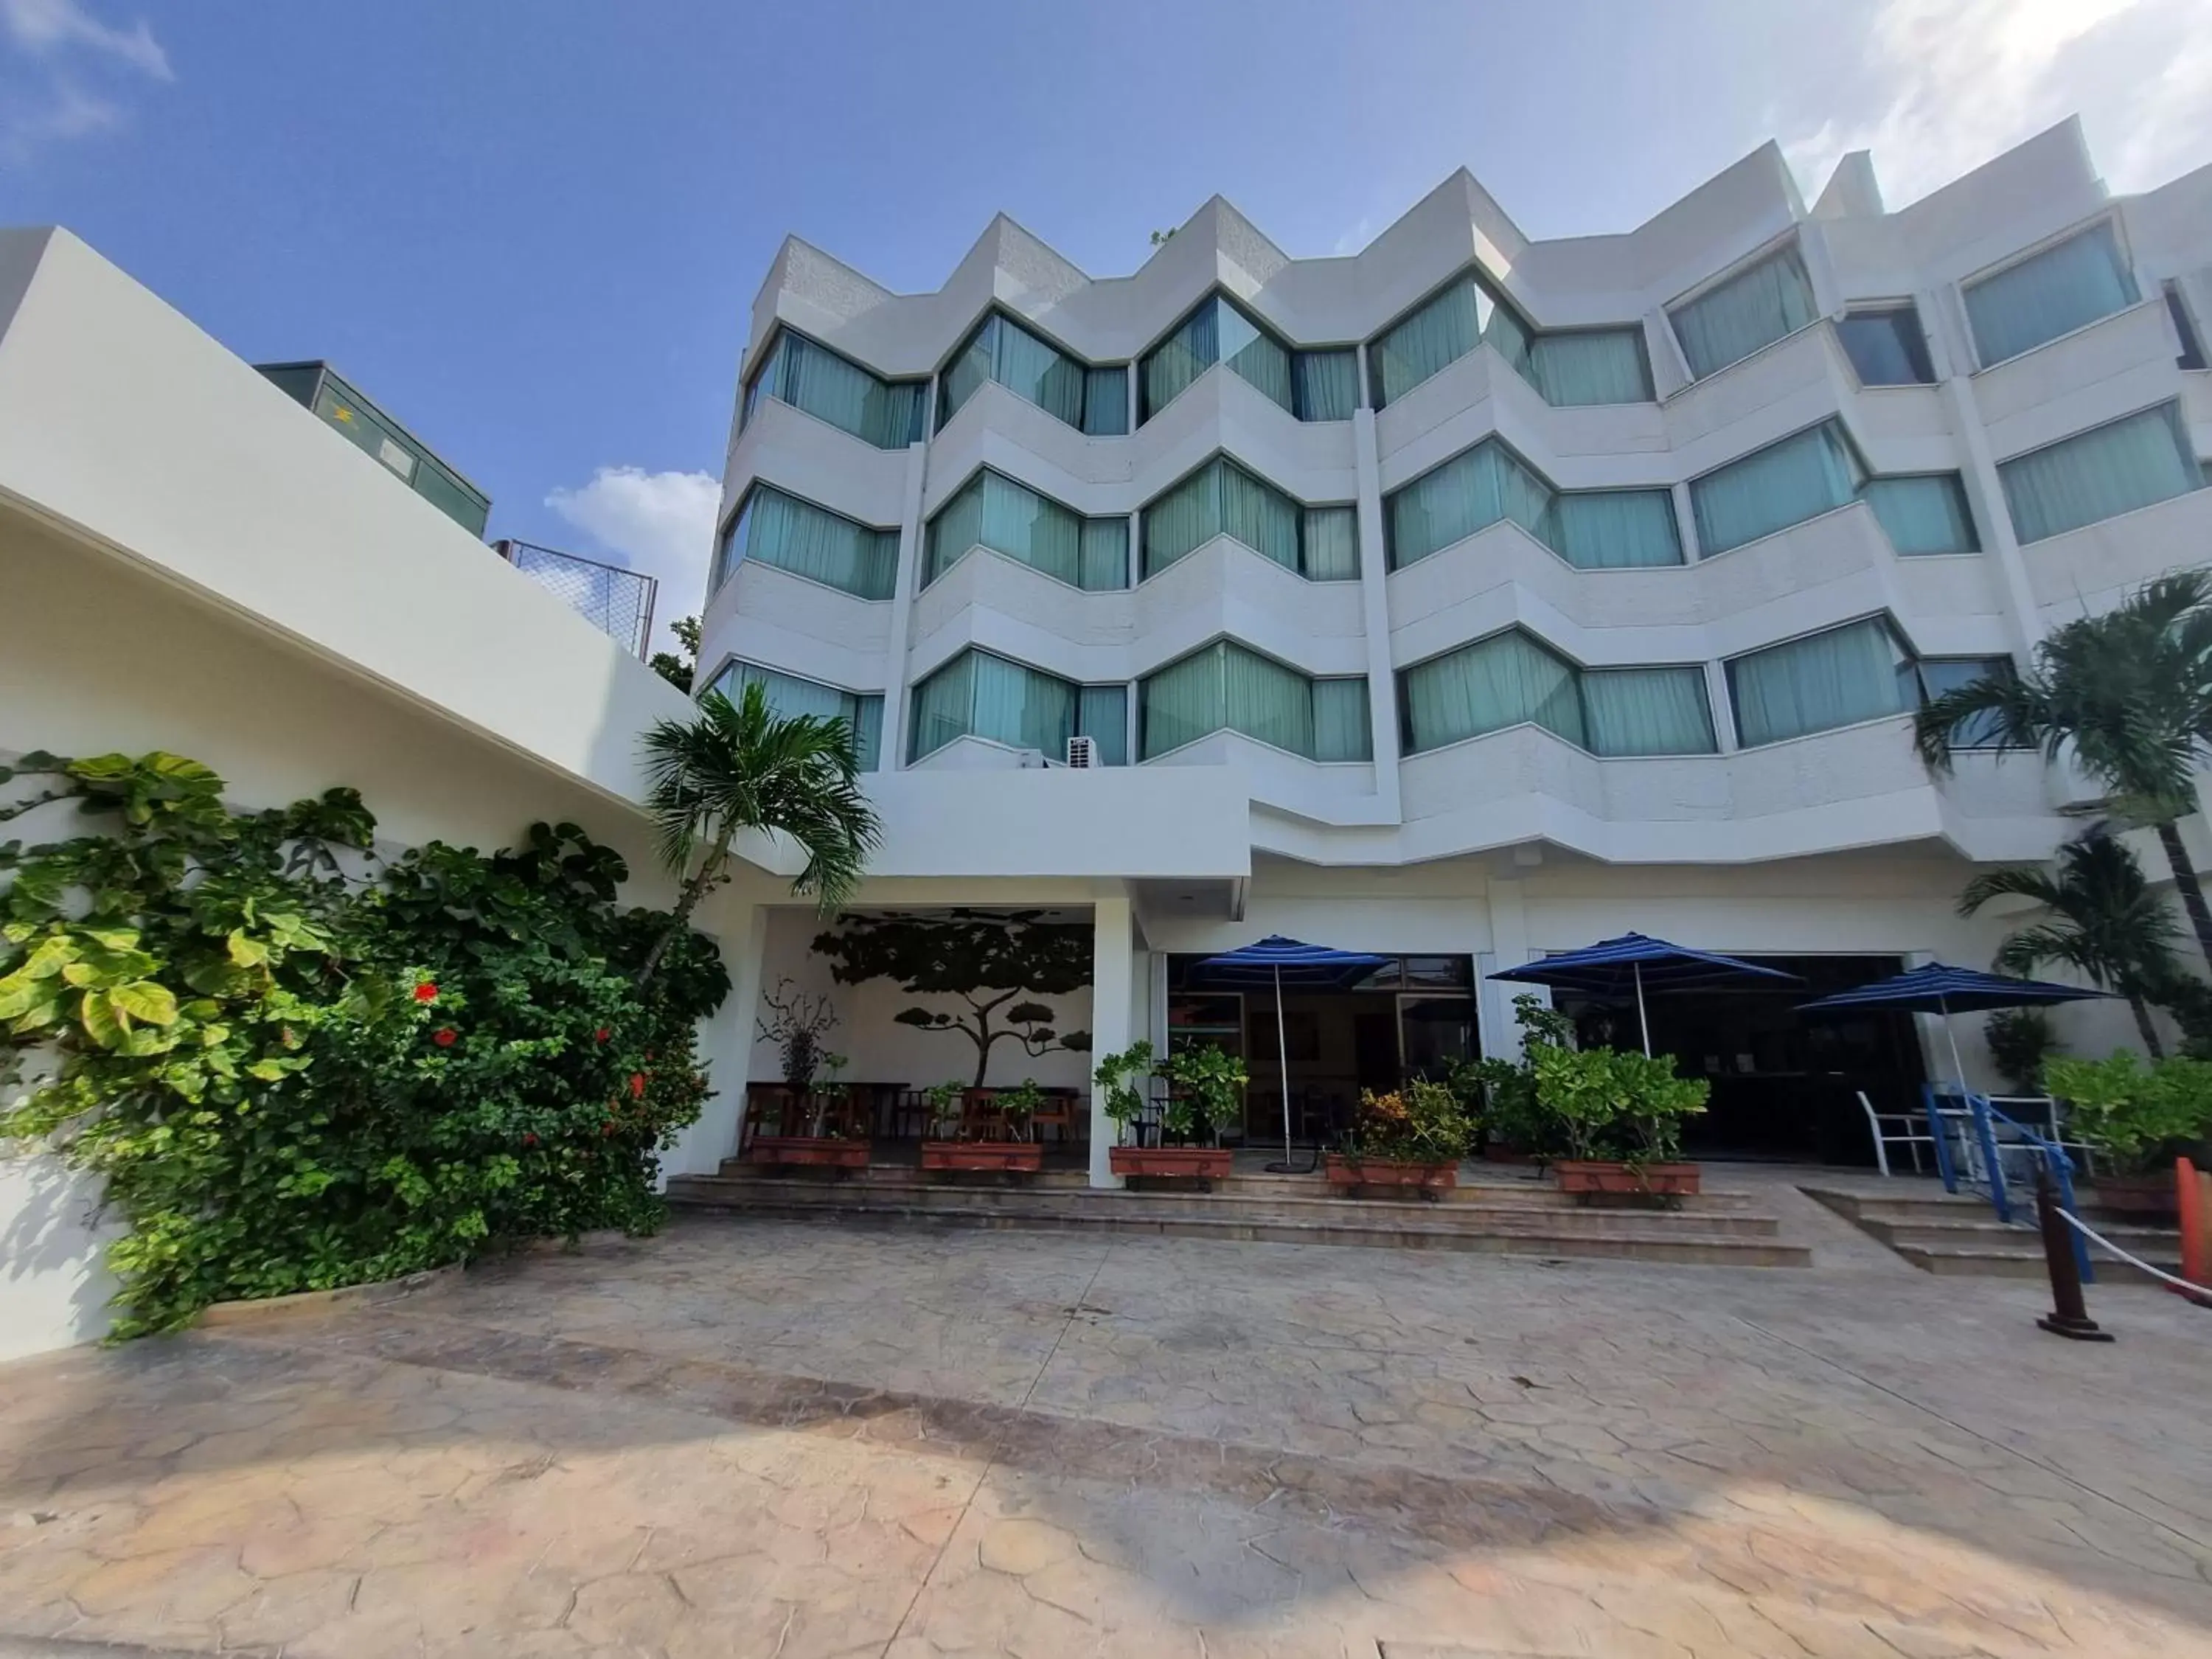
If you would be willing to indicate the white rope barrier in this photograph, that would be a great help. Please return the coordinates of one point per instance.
(2137, 1262)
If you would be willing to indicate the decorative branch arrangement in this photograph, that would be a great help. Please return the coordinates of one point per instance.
(990, 961)
(800, 1023)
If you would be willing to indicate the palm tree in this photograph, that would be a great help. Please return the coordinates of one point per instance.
(2131, 691)
(740, 766)
(2104, 920)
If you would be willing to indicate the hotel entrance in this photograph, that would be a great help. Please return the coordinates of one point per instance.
(1412, 1016)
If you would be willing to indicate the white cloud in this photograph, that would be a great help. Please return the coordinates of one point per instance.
(53, 104)
(48, 26)
(659, 523)
(1956, 81)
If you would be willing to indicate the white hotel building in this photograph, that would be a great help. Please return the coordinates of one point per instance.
(1472, 596)
(1462, 599)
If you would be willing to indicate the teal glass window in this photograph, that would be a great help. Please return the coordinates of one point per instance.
(2101, 473)
(1320, 542)
(1313, 385)
(834, 388)
(1591, 530)
(810, 541)
(1860, 671)
(1744, 314)
(1091, 399)
(2064, 287)
(1224, 687)
(991, 510)
(978, 693)
(1565, 366)
(1512, 678)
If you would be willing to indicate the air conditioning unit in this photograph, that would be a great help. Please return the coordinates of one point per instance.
(1082, 753)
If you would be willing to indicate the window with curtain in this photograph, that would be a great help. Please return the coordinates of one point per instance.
(830, 387)
(1565, 366)
(1803, 476)
(1222, 499)
(1513, 679)
(1095, 400)
(1101, 714)
(808, 541)
(1886, 346)
(2192, 344)
(991, 510)
(1592, 530)
(789, 695)
(980, 694)
(2100, 473)
(1924, 513)
(1223, 687)
(1744, 314)
(2048, 294)
(1313, 385)
(1860, 671)
(1941, 674)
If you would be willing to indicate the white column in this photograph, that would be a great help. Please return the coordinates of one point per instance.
(1375, 610)
(902, 592)
(725, 1045)
(1509, 948)
(1112, 999)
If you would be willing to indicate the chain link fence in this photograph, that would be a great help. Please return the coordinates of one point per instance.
(617, 602)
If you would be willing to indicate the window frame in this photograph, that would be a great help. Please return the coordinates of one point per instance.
(2184, 325)
(1853, 308)
(730, 661)
(1577, 670)
(1685, 541)
(1858, 496)
(1789, 241)
(1137, 710)
(738, 511)
(937, 418)
(2178, 423)
(1370, 392)
(1899, 639)
(1137, 540)
(748, 399)
(924, 581)
(2109, 218)
(1217, 293)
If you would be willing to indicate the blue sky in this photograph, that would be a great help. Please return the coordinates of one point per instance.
(531, 228)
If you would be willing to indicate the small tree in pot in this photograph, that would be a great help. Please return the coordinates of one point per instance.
(1411, 1137)
(2137, 1121)
(1205, 1087)
(1619, 1116)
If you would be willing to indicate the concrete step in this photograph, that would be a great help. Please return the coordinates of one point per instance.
(1961, 1235)
(1854, 1205)
(1651, 1244)
(1304, 1205)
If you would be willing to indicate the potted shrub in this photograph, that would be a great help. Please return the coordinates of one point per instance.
(1516, 1125)
(2136, 1122)
(950, 1148)
(1412, 1137)
(1203, 1084)
(1618, 1114)
(800, 1123)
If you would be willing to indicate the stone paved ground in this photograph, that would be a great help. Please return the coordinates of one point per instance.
(765, 1438)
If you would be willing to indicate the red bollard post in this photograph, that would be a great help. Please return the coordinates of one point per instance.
(2193, 1195)
(2070, 1315)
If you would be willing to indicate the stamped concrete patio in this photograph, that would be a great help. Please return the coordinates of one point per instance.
(768, 1438)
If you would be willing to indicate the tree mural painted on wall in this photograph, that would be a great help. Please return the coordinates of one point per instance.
(993, 961)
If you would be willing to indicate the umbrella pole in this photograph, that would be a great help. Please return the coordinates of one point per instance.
(1641, 1019)
(1958, 1065)
(1283, 1060)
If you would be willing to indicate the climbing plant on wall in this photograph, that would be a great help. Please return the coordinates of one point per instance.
(297, 1064)
(992, 962)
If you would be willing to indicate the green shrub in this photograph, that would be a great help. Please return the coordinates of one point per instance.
(292, 1077)
(1615, 1104)
(2136, 1120)
(1511, 1113)
(2019, 1041)
(1424, 1122)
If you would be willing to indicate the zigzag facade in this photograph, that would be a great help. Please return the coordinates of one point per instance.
(1641, 546)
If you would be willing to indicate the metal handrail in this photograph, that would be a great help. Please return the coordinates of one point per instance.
(2054, 1156)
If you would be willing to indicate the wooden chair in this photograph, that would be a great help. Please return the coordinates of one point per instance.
(1058, 1112)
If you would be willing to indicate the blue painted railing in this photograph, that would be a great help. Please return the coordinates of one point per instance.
(1986, 1120)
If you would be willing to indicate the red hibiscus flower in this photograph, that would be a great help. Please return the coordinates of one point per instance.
(601, 1035)
(426, 992)
(637, 1085)
(530, 1141)
(609, 1127)
(444, 1036)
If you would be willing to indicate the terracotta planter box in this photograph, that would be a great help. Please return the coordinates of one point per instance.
(1207, 1162)
(1345, 1171)
(1024, 1156)
(818, 1150)
(1657, 1180)
(2141, 1194)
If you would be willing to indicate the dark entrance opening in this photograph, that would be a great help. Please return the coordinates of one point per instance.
(1783, 1087)
(1414, 1016)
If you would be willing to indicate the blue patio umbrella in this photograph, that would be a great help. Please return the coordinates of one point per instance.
(1627, 965)
(1940, 988)
(1278, 962)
